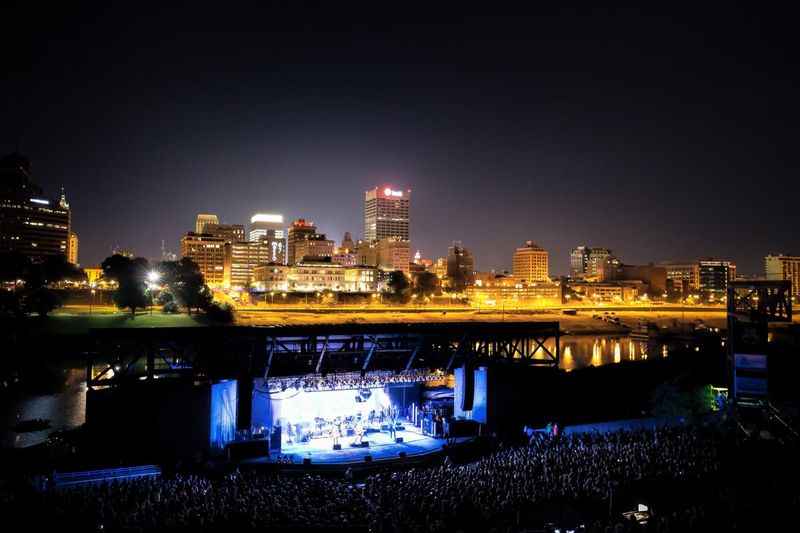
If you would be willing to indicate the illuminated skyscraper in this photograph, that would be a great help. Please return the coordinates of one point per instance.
(588, 262)
(30, 223)
(270, 228)
(531, 263)
(72, 249)
(386, 214)
(202, 220)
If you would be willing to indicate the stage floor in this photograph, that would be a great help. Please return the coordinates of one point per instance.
(381, 447)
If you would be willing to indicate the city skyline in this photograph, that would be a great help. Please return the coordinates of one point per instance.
(659, 161)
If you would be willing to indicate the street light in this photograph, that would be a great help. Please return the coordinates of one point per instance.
(152, 277)
(91, 300)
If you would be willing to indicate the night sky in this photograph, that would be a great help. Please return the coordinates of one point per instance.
(661, 137)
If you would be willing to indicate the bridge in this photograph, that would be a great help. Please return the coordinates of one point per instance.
(127, 355)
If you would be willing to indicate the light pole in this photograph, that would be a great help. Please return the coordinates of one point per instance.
(91, 300)
(152, 278)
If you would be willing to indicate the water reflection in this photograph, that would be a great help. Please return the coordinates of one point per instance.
(582, 351)
(65, 409)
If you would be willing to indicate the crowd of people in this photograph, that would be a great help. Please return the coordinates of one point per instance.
(352, 380)
(497, 489)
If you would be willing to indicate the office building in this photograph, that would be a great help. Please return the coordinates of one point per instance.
(345, 259)
(460, 266)
(270, 228)
(241, 258)
(510, 296)
(72, 249)
(588, 262)
(298, 231)
(208, 252)
(531, 263)
(386, 214)
(387, 254)
(393, 254)
(653, 277)
(313, 247)
(203, 220)
(714, 276)
(786, 267)
(608, 292)
(230, 232)
(578, 261)
(348, 246)
(439, 268)
(30, 223)
(684, 277)
(315, 276)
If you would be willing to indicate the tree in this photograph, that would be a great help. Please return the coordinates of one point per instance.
(426, 284)
(398, 283)
(131, 295)
(130, 275)
(186, 283)
(13, 266)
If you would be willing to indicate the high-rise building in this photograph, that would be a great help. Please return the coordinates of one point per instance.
(72, 248)
(313, 248)
(202, 220)
(439, 267)
(578, 261)
(241, 258)
(531, 263)
(714, 276)
(460, 265)
(781, 266)
(597, 259)
(30, 223)
(230, 232)
(298, 231)
(269, 227)
(208, 252)
(386, 214)
(348, 246)
(588, 262)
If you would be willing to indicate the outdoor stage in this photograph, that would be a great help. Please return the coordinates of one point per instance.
(381, 448)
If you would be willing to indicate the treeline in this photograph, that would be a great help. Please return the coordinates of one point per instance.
(174, 285)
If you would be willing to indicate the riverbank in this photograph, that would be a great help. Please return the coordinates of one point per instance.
(581, 323)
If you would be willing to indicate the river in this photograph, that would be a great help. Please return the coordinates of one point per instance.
(66, 408)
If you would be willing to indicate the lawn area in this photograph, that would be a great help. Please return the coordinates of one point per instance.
(70, 324)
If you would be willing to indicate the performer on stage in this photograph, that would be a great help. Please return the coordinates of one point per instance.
(359, 433)
(392, 424)
(337, 430)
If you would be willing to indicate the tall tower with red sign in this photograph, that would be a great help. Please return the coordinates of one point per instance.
(386, 213)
